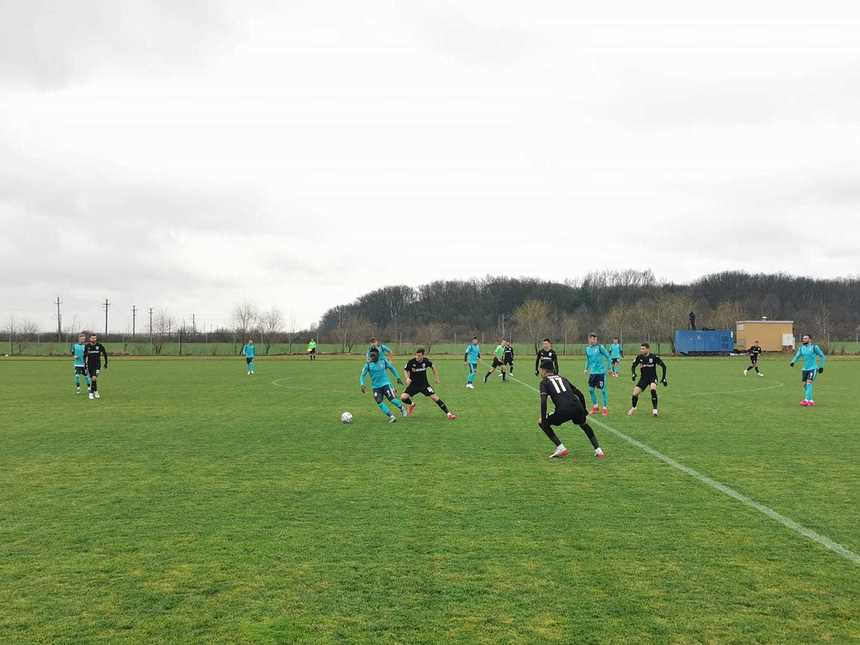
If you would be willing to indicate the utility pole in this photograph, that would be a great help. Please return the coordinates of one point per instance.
(193, 324)
(150, 330)
(59, 321)
(106, 306)
(133, 320)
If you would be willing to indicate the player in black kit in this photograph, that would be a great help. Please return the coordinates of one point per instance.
(544, 354)
(648, 363)
(509, 356)
(569, 406)
(754, 351)
(416, 383)
(93, 352)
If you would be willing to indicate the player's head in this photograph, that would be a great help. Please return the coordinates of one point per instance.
(806, 339)
(93, 338)
(546, 368)
(645, 348)
(374, 341)
(419, 353)
(82, 337)
(474, 340)
(547, 344)
(250, 341)
(615, 339)
(756, 341)
(373, 355)
(592, 339)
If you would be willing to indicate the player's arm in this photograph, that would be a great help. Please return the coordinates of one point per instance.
(537, 363)
(394, 371)
(663, 367)
(578, 394)
(819, 352)
(364, 372)
(435, 373)
(796, 357)
(407, 373)
(543, 395)
(103, 352)
(466, 356)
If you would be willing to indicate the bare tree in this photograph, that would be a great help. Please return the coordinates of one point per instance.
(270, 323)
(533, 317)
(244, 319)
(429, 334)
(572, 327)
(162, 324)
(726, 314)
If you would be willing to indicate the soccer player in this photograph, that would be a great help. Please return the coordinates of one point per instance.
(812, 367)
(376, 366)
(249, 351)
(416, 383)
(647, 377)
(616, 353)
(569, 406)
(312, 349)
(754, 351)
(509, 356)
(471, 358)
(80, 362)
(546, 353)
(595, 367)
(383, 350)
(498, 361)
(93, 352)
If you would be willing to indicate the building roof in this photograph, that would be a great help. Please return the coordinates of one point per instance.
(768, 322)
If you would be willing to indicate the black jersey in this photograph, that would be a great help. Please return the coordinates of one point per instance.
(93, 353)
(754, 351)
(417, 371)
(564, 394)
(648, 366)
(547, 355)
(509, 354)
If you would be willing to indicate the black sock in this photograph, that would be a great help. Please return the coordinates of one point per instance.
(548, 431)
(590, 434)
(442, 405)
(756, 369)
(635, 400)
(95, 387)
(654, 399)
(407, 400)
(487, 375)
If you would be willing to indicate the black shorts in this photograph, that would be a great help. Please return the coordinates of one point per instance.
(497, 362)
(509, 361)
(382, 393)
(93, 369)
(597, 380)
(615, 361)
(577, 415)
(249, 360)
(646, 382)
(807, 376)
(80, 369)
(414, 388)
(753, 358)
(312, 351)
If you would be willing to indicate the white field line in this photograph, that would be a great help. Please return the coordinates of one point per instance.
(787, 522)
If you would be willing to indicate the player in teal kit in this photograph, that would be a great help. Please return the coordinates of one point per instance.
(812, 366)
(616, 353)
(596, 359)
(249, 351)
(80, 362)
(377, 366)
(471, 358)
(384, 350)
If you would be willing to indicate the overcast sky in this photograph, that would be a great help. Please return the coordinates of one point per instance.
(189, 155)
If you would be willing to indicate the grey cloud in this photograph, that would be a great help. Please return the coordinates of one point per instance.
(48, 44)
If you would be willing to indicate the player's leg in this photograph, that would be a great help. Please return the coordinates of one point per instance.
(379, 398)
(389, 394)
(435, 398)
(473, 371)
(406, 399)
(546, 427)
(77, 380)
(654, 399)
(487, 375)
(809, 388)
(634, 400)
(592, 394)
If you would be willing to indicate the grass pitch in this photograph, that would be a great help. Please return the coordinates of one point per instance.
(193, 503)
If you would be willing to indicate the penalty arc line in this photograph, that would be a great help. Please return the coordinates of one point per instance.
(787, 522)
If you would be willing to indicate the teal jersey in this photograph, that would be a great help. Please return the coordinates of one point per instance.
(473, 353)
(810, 355)
(615, 350)
(249, 351)
(383, 350)
(594, 359)
(377, 371)
(78, 351)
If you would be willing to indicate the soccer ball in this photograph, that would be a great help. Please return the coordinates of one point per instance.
(346, 417)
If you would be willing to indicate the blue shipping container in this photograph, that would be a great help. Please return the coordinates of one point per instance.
(719, 341)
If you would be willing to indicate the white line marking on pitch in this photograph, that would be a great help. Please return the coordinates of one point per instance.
(778, 385)
(823, 540)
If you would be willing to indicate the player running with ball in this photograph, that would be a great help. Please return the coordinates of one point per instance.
(416, 383)
(377, 366)
(647, 377)
(569, 406)
(812, 367)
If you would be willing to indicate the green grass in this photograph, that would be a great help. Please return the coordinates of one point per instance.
(195, 504)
